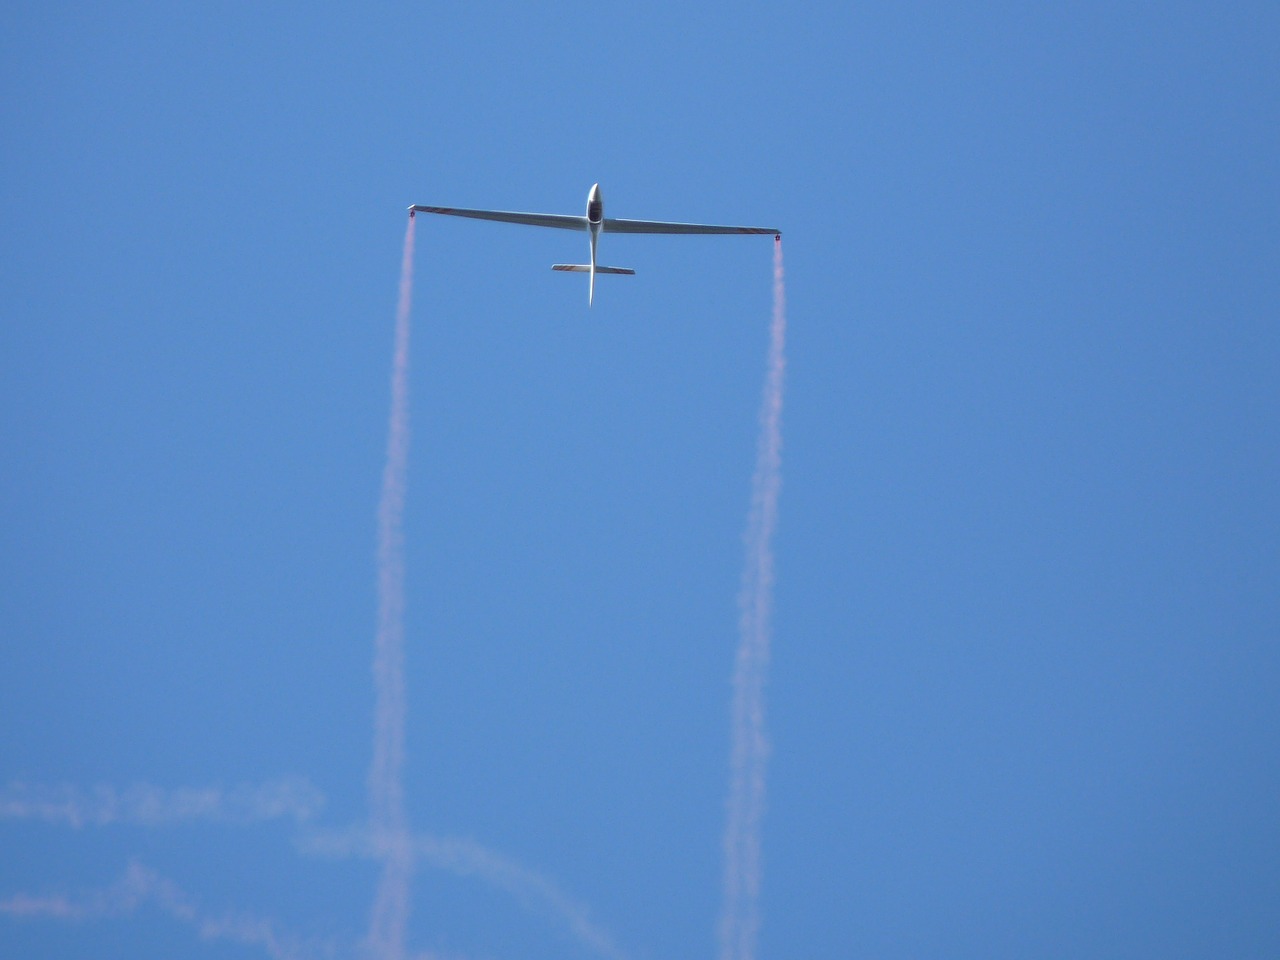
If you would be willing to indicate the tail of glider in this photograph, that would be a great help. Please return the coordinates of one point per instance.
(587, 268)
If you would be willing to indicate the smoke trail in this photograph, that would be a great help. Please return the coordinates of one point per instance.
(386, 790)
(152, 806)
(137, 886)
(465, 857)
(531, 888)
(534, 890)
(141, 885)
(740, 920)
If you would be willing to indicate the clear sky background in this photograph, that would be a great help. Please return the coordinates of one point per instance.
(1023, 699)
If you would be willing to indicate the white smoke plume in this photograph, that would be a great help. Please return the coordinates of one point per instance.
(465, 857)
(390, 915)
(140, 886)
(147, 805)
(740, 919)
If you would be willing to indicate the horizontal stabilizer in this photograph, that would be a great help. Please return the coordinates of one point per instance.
(586, 268)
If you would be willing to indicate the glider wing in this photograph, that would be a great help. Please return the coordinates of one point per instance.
(528, 219)
(658, 226)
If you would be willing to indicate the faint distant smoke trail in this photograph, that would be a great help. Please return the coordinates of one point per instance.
(468, 858)
(140, 886)
(386, 789)
(740, 921)
(153, 806)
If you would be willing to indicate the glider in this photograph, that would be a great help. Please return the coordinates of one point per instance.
(594, 222)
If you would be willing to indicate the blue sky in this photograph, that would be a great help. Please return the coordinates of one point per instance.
(1022, 697)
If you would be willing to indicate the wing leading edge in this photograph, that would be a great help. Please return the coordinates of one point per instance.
(659, 226)
(528, 219)
(563, 222)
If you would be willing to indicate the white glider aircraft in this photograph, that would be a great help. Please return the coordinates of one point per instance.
(596, 223)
